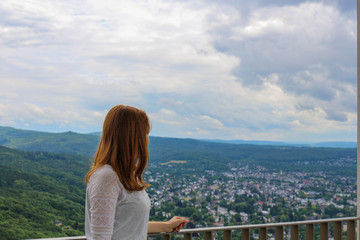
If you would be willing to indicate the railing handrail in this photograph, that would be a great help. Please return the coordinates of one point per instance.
(236, 227)
(261, 225)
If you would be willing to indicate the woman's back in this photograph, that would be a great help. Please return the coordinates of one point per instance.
(112, 212)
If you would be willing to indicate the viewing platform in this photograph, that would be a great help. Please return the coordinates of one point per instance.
(333, 228)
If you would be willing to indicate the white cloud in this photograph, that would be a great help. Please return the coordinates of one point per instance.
(212, 122)
(165, 116)
(259, 28)
(171, 102)
(31, 115)
(197, 67)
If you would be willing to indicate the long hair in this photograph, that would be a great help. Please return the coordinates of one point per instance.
(124, 146)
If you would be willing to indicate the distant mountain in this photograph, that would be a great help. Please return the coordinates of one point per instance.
(66, 142)
(213, 155)
(335, 144)
(95, 133)
(198, 154)
(86, 144)
(274, 143)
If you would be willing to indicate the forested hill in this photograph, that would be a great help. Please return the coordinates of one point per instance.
(67, 142)
(41, 194)
(86, 144)
(198, 154)
(202, 155)
(69, 168)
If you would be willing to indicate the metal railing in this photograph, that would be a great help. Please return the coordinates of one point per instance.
(263, 229)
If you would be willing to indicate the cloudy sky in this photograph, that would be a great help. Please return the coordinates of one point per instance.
(255, 70)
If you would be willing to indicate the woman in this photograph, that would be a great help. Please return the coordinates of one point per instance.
(117, 206)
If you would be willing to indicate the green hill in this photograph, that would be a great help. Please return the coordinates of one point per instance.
(203, 155)
(67, 142)
(68, 168)
(198, 154)
(41, 194)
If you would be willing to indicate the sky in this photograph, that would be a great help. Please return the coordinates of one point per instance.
(276, 70)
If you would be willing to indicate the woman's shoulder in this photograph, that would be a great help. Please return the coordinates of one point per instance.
(104, 174)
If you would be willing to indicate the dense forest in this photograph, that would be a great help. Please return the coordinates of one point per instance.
(41, 174)
(41, 194)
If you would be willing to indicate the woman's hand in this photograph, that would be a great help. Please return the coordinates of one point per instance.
(176, 223)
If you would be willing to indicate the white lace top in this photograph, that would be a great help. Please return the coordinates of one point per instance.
(111, 212)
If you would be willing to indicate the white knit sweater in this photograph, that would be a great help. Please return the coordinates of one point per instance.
(111, 212)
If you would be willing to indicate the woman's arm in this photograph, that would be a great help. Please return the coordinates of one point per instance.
(175, 224)
(155, 227)
(103, 192)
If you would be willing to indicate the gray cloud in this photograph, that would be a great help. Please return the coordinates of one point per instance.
(200, 69)
(307, 45)
(314, 82)
(336, 115)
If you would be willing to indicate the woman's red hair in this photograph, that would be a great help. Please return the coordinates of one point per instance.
(124, 146)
